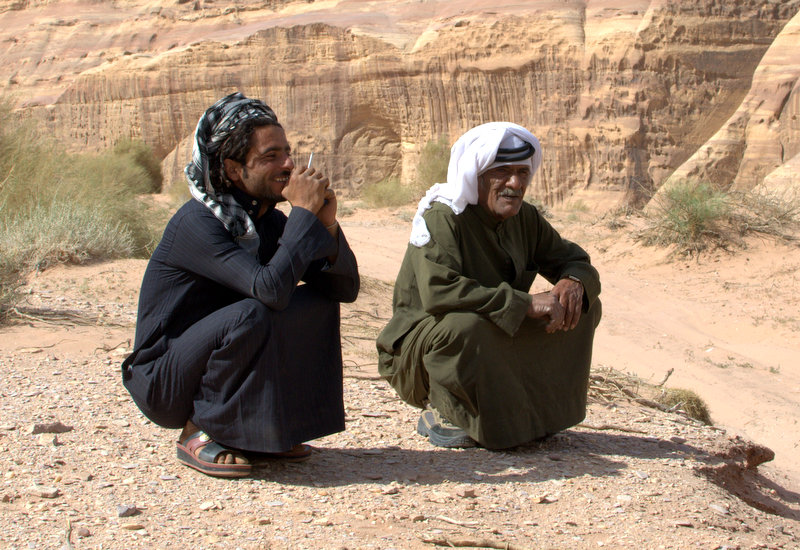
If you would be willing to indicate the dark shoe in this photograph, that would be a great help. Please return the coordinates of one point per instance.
(200, 452)
(440, 432)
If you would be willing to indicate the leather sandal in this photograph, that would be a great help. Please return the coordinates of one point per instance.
(200, 452)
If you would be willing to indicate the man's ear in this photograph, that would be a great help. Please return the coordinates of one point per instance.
(233, 170)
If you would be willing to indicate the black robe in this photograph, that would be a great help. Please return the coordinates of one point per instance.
(237, 344)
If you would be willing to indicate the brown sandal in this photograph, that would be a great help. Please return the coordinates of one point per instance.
(203, 459)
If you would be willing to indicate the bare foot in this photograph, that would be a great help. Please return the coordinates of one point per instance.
(231, 457)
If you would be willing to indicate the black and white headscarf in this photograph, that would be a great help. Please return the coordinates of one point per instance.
(213, 129)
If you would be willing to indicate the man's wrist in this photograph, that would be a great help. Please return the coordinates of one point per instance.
(331, 226)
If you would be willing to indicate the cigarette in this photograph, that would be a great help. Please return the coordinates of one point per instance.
(309, 160)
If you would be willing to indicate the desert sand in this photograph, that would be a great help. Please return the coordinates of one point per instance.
(724, 324)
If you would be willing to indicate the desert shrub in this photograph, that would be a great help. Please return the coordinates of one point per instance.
(62, 232)
(689, 215)
(433, 161)
(388, 192)
(543, 209)
(686, 401)
(770, 212)
(142, 155)
(694, 216)
(60, 207)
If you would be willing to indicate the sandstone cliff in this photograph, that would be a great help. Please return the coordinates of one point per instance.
(621, 94)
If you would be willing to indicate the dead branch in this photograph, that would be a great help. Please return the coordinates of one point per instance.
(611, 427)
(664, 381)
(469, 543)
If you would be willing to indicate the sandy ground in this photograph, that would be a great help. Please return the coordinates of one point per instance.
(724, 325)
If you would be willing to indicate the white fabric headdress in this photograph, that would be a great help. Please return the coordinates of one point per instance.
(474, 153)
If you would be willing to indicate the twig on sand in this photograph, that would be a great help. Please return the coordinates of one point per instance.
(111, 348)
(446, 519)
(610, 427)
(469, 543)
(666, 377)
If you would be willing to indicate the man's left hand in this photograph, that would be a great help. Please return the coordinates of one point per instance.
(327, 214)
(570, 296)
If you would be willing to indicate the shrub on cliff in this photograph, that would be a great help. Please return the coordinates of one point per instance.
(433, 161)
(432, 168)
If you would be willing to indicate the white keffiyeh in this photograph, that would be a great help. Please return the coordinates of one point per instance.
(473, 154)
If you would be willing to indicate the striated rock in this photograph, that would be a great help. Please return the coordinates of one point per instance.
(621, 95)
(760, 143)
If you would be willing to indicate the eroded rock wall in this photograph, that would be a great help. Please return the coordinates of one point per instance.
(620, 95)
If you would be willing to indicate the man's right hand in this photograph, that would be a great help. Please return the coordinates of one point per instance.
(546, 306)
(306, 189)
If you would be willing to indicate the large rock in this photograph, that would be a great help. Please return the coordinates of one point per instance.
(621, 94)
(760, 142)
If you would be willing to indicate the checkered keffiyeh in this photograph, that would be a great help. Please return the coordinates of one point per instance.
(213, 129)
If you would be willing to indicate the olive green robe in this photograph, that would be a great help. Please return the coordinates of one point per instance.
(459, 336)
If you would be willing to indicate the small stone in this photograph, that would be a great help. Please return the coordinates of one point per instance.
(209, 505)
(132, 526)
(83, 532)
(50, 428)
(684, 523)
(43, 492)
(263, 521)
(677, 439)
(467, 493)
(47, 439)
(391, 491)
(547, 499)
(126, 511)
(721, 510)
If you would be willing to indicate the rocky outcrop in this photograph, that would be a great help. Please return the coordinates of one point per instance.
(759, 143)
(620, 97)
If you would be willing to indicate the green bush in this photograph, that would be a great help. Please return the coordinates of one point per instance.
(59, 207)
(389, 192)
(689, 215)
(142, 155)
(696, 215)
(433, 161)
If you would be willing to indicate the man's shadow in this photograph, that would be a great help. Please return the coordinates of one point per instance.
(565, 455)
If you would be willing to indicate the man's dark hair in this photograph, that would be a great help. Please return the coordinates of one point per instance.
(235, 147)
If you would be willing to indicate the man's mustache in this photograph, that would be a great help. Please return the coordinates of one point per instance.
(511, 193)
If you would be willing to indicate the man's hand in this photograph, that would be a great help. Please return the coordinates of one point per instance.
(308, 189)
(327, 214)
(545, 305)
(570, 295)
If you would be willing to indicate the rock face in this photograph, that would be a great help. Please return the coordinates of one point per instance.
(622, 95)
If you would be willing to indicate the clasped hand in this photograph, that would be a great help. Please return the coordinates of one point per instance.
(561, 305)
(310, 189)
